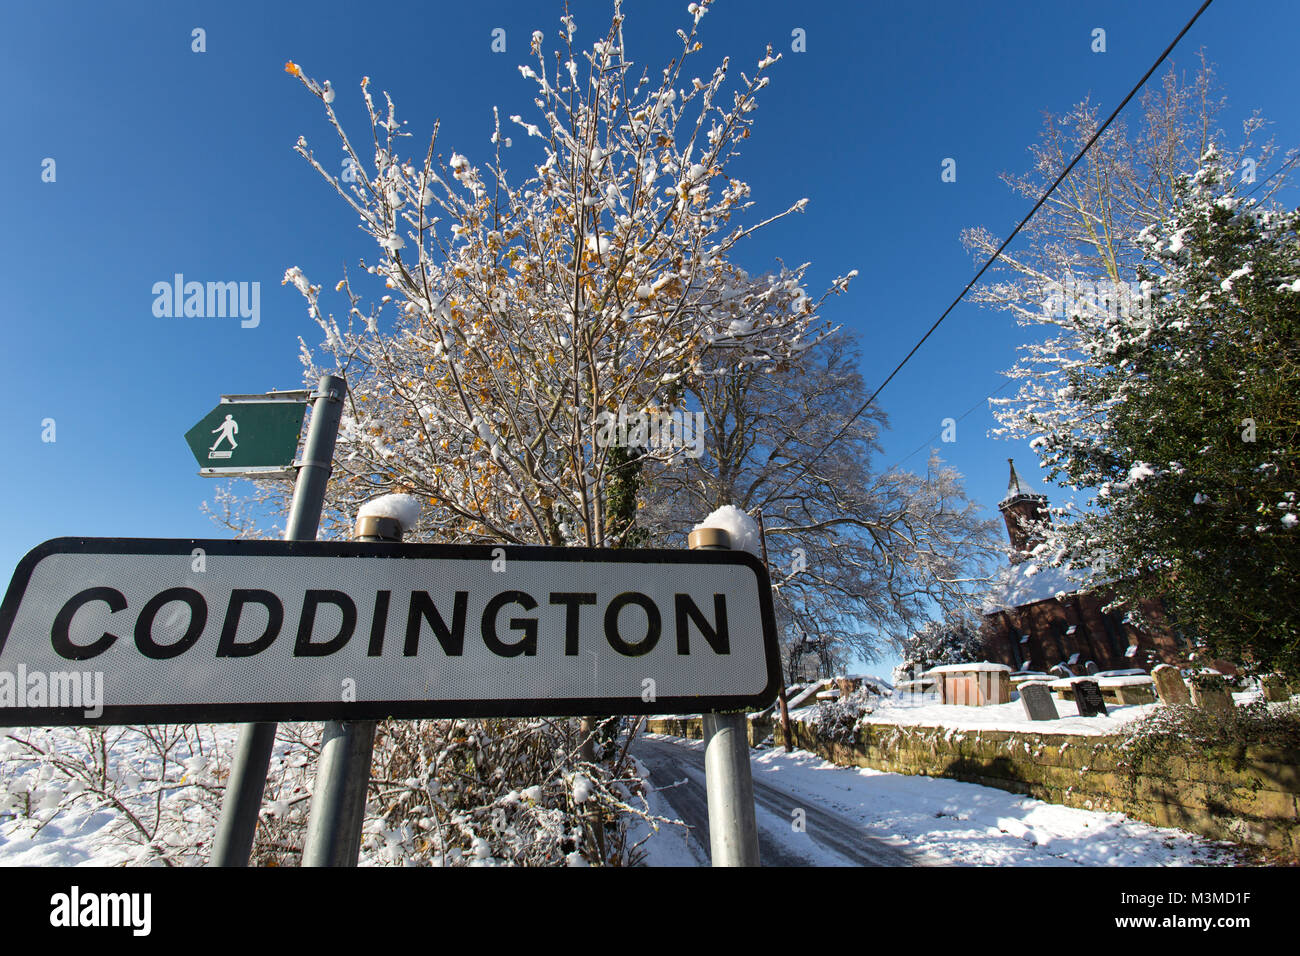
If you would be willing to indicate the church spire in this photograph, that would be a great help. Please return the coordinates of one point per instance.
(1024, 512)
(1016, 486)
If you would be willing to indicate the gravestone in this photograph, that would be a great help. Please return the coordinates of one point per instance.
(1087, 697)
(1090, 667)
(1135, 693)
(1212, 698)
(1169, 684)
(1060, 670)
(1037, 701)
(1274, 688)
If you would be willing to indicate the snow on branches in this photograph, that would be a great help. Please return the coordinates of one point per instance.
(523, 311)
(1181, 422)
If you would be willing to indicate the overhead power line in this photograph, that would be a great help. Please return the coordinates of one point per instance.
(1291, 161)
(980, 404)
(1006, 242)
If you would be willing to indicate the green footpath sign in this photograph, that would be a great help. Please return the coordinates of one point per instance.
(249, 434)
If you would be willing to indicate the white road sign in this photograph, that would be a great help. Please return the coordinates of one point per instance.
(193, 630)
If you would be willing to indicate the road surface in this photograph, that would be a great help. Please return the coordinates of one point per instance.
(828, 838)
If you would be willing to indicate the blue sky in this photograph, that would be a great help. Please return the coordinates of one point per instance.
(170, 160)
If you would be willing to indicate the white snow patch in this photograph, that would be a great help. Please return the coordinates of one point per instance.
(983, 667)
(740, 527)
(1026, 583)
(405, 508)
(581, 789)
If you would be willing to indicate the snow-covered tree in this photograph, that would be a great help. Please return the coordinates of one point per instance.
(955, 640)
(514, 317)
(1182, 421)
(1080, 249)
(858, 555)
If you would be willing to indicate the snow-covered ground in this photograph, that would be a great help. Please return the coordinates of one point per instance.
(925, 710)
(175, 802)
(74, 838)
(942, 821)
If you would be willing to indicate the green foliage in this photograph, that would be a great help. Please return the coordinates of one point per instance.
(1210, 682)
(625, 467)
(1194, 452)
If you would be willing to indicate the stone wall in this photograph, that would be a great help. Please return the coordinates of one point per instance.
(692, 728)
(1245, 794)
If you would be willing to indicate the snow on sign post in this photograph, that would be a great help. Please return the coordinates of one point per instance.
(174, 631)
(249, 434)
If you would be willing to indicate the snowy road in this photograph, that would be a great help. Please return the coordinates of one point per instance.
(835, 840)
(859, 817)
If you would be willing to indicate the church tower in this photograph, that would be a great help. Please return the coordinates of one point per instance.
(1024, 512)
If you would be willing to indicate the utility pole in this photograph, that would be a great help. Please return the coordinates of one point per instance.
(243, 799)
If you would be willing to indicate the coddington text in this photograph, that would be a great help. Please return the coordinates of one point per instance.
(632, 622)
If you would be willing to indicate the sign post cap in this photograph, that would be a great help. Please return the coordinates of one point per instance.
(379, 527)
(709, 538)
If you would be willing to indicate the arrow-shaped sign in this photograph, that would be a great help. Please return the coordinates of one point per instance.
(249, 434)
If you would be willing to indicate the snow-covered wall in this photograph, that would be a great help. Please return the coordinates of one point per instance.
(1252, 796)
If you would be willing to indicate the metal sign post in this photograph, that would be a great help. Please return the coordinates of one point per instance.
(244, 789)
(338, 802)
(728, 779)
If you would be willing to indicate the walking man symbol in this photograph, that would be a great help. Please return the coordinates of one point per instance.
(228, 428)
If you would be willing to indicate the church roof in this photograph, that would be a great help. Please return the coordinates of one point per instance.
(1026, 583)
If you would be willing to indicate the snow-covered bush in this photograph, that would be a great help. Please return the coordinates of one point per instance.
(939, 642)
(499, 792)
(159, 787)
(838, 719)
(1171, 727)
(442, 793)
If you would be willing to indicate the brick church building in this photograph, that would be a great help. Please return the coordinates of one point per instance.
(1029, 628)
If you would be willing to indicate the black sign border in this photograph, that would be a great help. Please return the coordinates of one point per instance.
(378, 710)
